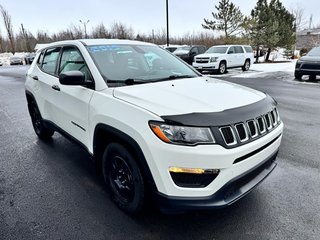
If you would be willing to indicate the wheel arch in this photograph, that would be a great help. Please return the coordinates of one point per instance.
(105, 134)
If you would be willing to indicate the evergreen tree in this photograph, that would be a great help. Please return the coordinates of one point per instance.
(271, 25)
(228, 19)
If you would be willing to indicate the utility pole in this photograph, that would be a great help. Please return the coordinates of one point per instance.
(85, 27)
(167, 22)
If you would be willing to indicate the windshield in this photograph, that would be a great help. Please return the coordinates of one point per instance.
(120, 64)
(314, 52)
(217, 50)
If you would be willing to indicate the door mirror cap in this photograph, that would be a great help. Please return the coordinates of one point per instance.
(72, 78)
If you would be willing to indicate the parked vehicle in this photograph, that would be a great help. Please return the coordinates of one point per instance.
(154, 126)
(222, 57)
(187, 53)
(1, 62)
(308, 65)
(29, 58)
(15, 61)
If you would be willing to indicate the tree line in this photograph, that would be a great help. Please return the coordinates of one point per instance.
(269, 25)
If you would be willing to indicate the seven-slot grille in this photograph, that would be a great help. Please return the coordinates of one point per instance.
(243, 132)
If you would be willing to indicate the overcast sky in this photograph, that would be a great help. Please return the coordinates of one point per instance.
(142, 15)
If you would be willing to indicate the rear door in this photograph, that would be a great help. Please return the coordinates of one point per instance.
(45, 78)
(231, 57)
(240, 56)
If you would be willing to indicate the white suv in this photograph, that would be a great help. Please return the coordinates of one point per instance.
(220, 58)
(153, 124)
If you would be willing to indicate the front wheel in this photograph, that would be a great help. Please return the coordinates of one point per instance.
(222, 68)
(246, 65)
(123, 178)
(37, 122)
(312, 77)
(298, 76)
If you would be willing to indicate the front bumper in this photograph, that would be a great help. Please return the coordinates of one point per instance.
(228, 194)
(212, 66)
(308, 68)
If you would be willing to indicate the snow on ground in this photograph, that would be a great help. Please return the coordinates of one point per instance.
(260, 69)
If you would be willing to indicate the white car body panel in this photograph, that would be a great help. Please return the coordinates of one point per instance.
(173, 97)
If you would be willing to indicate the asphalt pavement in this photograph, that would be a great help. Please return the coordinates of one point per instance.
(50, 190)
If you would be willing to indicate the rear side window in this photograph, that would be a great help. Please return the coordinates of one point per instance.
(239, 49)
(248, 49)
(50, 60)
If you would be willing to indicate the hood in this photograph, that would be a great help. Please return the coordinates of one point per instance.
(310, 58)
(192, 95)
(210, 55)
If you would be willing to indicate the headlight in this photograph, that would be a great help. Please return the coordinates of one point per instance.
(214, 59)
(182, 135)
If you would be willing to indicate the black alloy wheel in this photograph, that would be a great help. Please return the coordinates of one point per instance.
(37, 123)
(123, 178)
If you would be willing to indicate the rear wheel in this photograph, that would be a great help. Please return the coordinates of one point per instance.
(222, 67)
(246, 65)
(37, 122)
(123, 178)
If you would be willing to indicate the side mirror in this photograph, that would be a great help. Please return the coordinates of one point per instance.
(193, 53)
(72, 78)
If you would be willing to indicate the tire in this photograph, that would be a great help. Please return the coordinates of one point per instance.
(312, 77)
(246, 65)
(222, 67)
(298, 76)
(37, 123)
(123, 178)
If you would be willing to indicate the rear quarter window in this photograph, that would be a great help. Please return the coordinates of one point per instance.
(248, 49)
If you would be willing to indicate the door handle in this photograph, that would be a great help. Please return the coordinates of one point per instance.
(35, 78)
(56, 87)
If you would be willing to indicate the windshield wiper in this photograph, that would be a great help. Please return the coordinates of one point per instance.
(128, 81)
(172, 77)
(180, 76)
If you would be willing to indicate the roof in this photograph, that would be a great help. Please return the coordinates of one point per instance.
(91, 42)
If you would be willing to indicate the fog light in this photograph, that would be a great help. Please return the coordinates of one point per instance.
(193, 177)
(193, 170)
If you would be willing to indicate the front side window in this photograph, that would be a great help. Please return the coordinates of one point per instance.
(123, 64)
(72, 60)
(195, 50)
(49, 63)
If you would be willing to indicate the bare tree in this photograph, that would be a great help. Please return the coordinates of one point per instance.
(121, 31)
(298, 13)
(8, 25)
(100, 31)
